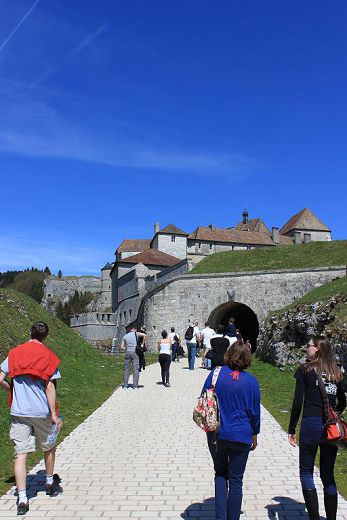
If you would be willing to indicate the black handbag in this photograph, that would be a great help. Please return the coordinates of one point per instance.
(138, 349)
(209, 354)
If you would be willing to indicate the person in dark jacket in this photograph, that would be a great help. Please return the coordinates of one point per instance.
(141, 349)
(238, 397)
(219, 344)
(231, 328)
(320, 361)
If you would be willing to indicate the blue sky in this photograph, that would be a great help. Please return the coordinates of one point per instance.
(118, 114)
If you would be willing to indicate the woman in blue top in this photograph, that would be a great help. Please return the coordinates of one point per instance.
(239, 405)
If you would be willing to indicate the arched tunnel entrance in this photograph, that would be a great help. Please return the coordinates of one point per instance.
(246, 320)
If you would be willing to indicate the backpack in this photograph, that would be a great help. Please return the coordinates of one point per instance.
(189, 333)
(206, 412)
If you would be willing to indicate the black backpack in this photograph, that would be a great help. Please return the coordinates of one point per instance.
(189, 333)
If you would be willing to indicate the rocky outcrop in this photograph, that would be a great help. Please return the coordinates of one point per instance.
(283, 336)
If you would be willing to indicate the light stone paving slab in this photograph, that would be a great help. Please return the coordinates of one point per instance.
(140, 456)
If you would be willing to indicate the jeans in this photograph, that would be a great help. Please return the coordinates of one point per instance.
(131, 358)
(174, 351)
(310, 438)
(207, 362)
(165, 362)
(229, 460)
(191, 354)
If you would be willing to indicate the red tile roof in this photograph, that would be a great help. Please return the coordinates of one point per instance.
(171, 229)
(304, 219)
(253, 224)
(134, 245)
(152, 257)
(232, 236)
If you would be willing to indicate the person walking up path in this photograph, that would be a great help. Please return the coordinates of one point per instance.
(33, 369)
(192, 337)
(129, 344)
(107, 474)
(164, 349)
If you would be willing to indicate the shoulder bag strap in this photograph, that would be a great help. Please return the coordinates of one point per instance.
(215, 376)
(324, 395)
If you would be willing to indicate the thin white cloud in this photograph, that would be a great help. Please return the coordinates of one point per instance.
(79, 48)
(19, 24)
(88, 40)
(33, 127)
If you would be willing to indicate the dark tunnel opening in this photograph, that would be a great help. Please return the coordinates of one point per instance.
(246, 320)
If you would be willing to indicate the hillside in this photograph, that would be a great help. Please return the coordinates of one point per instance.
(285, 332)
(314, 254)
(88, 377)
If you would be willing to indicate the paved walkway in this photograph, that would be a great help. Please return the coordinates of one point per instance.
(140, 456)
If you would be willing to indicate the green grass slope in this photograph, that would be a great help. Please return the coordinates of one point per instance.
(314, 254)
(88, 376)
(324, 293)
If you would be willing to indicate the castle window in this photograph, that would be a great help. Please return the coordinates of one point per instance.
(211, 246)
(173, 238)
(199, 245)
(129, 314)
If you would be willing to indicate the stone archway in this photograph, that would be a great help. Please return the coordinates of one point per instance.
(245, 317)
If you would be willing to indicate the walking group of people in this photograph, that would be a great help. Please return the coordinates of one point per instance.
(134, 344)
(33, 370)
(211, 343)
(238, 398)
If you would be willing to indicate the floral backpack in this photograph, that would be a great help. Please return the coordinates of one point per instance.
(206, 412)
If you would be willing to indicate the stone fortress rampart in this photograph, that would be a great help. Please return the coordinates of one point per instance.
(249, 296)
(148, 271)
(175, 299)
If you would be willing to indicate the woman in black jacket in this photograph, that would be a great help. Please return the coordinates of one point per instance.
(320, 361)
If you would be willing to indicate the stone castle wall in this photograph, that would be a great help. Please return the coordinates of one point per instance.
(194, 297)
(95, 326)
(62, 289)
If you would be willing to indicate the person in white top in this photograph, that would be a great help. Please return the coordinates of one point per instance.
(175, 341)
(164, 349)
(206, 335)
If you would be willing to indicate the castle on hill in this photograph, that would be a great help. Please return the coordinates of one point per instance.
(142, 264)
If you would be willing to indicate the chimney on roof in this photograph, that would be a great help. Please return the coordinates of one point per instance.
(245, 216)
(211, 226)
(275, 235)
(156, 228)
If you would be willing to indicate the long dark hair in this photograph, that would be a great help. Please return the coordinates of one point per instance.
(325, 361)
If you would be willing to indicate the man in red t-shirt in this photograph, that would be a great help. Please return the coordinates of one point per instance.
(33, 370)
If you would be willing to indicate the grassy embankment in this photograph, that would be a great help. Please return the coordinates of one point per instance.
(325, 292)
(88, 376)
(314, 254)
(277, 386)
